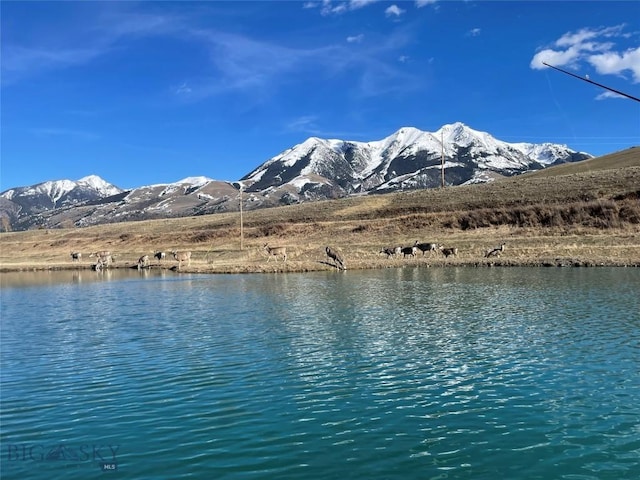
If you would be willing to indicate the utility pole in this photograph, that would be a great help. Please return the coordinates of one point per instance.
(442, 156)
(241, 224)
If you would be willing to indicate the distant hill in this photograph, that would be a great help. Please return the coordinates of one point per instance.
(624, 158)
(317, 169)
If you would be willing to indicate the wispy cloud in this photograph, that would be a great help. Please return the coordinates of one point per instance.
(330, 7)
(607, 95)
(595, 47)
(183, 89)
(394, 11)
(424, 3)
(20, 61)
(306, 124)
(474, 32)
(245, 63)
(64, 132)
(253, 66)
(79, 45)
(236, 63)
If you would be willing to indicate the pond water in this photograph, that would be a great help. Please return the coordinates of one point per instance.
(383, 374)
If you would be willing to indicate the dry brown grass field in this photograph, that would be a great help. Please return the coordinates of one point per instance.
(575, 214)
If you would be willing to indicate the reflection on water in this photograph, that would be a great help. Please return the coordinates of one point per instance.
(399, 373)
(54, 277)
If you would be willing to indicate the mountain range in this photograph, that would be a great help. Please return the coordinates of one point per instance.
(316, 169)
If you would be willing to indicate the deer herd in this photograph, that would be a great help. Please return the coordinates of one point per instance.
(432, 248)
(104, 258)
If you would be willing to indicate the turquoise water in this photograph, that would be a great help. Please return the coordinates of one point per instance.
(387, 374)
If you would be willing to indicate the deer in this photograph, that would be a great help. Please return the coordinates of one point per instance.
(101, 253)
(275, 252)
(426, 247)
(76, 256)
(159, 255)
(336, 257)
(495, 252)
(104, 259)
(182, 257)
(391, 251)
(143, 262)
(409, 251)
(449, 251)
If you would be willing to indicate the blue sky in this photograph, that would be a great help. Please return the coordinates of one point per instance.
(152, 92)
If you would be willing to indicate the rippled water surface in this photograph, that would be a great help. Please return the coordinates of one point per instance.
(387, 374)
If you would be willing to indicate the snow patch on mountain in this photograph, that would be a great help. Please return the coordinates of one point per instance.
(195, 181)
(99, 185)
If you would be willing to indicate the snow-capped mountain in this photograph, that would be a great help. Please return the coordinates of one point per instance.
(59, 193)
(315, 169)
(25, 202)
(189, 196)
(408, 159)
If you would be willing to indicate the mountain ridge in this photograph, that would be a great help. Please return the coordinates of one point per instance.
(315, 169)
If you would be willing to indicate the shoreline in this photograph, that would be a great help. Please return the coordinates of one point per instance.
(313, 266)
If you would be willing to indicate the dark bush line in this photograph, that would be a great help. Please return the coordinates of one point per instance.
(601, 214)
(213, 234)
(273, 230)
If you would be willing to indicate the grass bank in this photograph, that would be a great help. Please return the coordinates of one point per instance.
(587, 216)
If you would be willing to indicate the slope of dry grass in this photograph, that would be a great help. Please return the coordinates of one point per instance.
(586, 216)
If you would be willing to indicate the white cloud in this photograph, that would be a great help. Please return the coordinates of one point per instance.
(615, 63)
(183, 89)
(595, 47)
(394, 10)
(403, 58)
(581, 36)
(355, 38)
(608, 94)
(329, 7)
(355, 4)
(424, 3)
(474, 32)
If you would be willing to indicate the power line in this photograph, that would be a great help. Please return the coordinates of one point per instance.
(594, 83)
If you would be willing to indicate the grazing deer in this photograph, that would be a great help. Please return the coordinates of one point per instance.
(391, 251)
(275, 252)
(426, 247)
(409, 251)
(449, 251)
(336, 257)
(101, 253)
(182, 257)
(104, 259)
(143, 262)
(495, 252)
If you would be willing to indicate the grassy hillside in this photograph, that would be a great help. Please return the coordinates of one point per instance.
(586, 213)
(623, 159)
